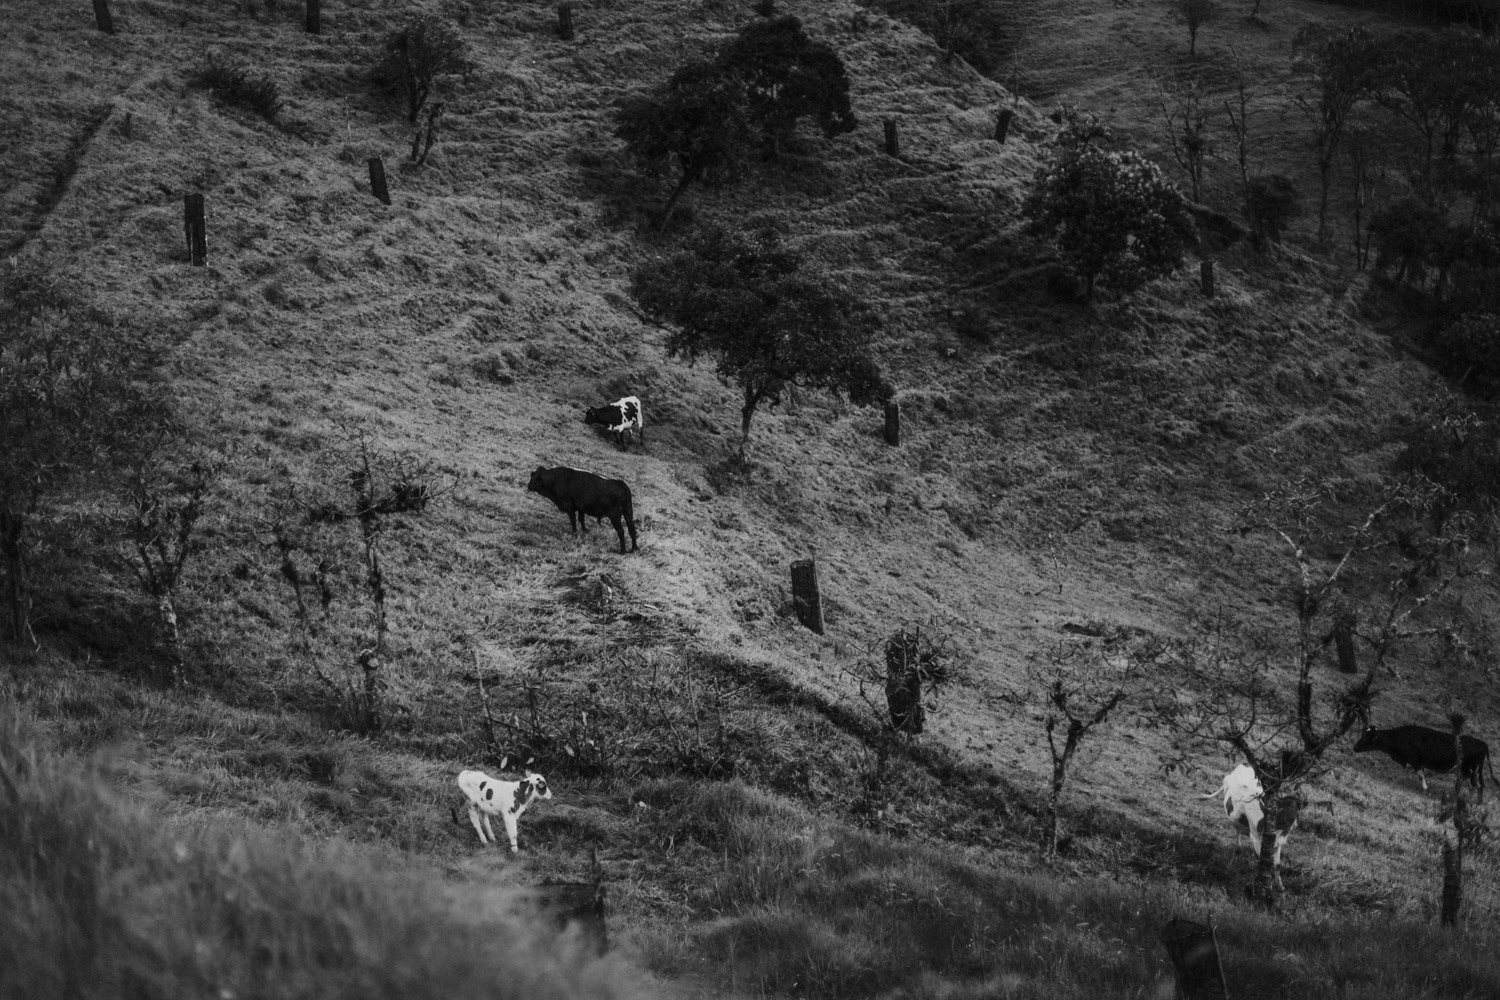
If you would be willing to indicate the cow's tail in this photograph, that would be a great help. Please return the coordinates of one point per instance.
(1216, 791)
(630, 514)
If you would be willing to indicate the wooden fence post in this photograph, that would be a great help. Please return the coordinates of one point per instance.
(1195, 957)
(805, 596)
(1002, 124)
(892, 142)
(377, 180)
(314, 17)
(102, 19)
(195, 227)
(893, 423)
(565, 22)
(1206, 276)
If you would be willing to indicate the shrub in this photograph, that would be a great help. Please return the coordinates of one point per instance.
(233, 83)
(415, 56)
(1471, 345)
(975, 30)
(1411, 236)
(1270, 203)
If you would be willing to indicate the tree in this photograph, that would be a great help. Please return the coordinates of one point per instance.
(1275, 724)
(74, 389)
(1345, 68)
(698, 118)
(418, 54)
(787, 76)
(1186, 119)
(1195, 14)
(748, 302)
(1116, 219)
(165, 495)
(707, 115)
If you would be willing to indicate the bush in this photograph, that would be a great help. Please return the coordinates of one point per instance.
(1471, 345)
(233, 83)
(1270, 203)
(415, 56)
(975, 30)
(1410, 236)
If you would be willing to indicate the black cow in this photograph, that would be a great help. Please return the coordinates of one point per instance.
(580, 494)
(621, 420)
(1425, 749)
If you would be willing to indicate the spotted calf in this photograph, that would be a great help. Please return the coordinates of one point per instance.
(622, 420)
(507, 799)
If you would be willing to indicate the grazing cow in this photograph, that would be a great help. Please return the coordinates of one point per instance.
(623, 419)
(1424, 749)
(1242, 796)
(580, 494)
(507, 799)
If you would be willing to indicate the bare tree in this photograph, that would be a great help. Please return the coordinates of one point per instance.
(1185, 121)
(1343, 64)
(1195, 14)
(1080, 681)
(1276, 725)
(1237, 110)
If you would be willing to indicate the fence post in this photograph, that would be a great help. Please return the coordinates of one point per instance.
(1002, 124)
(893, 423)
(1195, 958)
(565, 22)
(1206, 276)
(102, 19)
(314, 17)
(805, 596)
(892, 142)
(377, 180)
(195, 228)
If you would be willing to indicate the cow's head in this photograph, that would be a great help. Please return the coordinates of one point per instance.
(538, 784)
(538, 482)
(597, 415)
(1366, 740)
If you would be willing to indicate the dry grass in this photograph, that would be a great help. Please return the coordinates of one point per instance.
(1058, 465)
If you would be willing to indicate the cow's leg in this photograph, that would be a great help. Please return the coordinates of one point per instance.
(614, 519)
(1422, 774)
(510, 829)
(474, 817)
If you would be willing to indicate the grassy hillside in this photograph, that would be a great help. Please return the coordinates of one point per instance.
(1061, 465)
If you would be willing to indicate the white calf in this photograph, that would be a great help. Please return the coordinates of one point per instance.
(507, 799)
(1242, 794)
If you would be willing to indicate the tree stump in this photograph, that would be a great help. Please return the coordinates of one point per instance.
(893, 423)
(377, 180)
(314, 16)
(805, 596)
(892, 142)
(903, 682)
(195, 228)
(1002, 124)
(1206, 276)
(580, 903)
(565, 22)
(1195, 959)
(102, 19)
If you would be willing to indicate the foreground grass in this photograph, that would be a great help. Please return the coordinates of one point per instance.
(101, 900)
(790, 904)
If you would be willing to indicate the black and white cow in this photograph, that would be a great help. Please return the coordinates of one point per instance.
(1242, 806)
(580, 494)
(1424, 749)
(622, 420)
(507, 799)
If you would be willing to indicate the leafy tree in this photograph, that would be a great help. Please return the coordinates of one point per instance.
(748, 302)
(698, 118)
(1410, 235)
(417, 55)
(706, 116)
(787, 76)
(1270, 203)
(74, 390)
(1115, 218)
(1195, 14)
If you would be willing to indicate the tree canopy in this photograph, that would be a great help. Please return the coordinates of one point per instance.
(747, 301)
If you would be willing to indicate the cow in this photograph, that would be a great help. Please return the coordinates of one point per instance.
(1424, 749)
(580, 494)
(1242, 797)
(507, 799)
(622, 420)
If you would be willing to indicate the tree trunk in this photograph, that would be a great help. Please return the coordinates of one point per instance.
(1453, 882)
(314, 22)
(1059, 778)
(688, 176)
(171, 637)
(806, 598)
(102, 19)
(1195, 959)
(13, 549)
(893, 423)
(1268, 888)
(377, 181)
